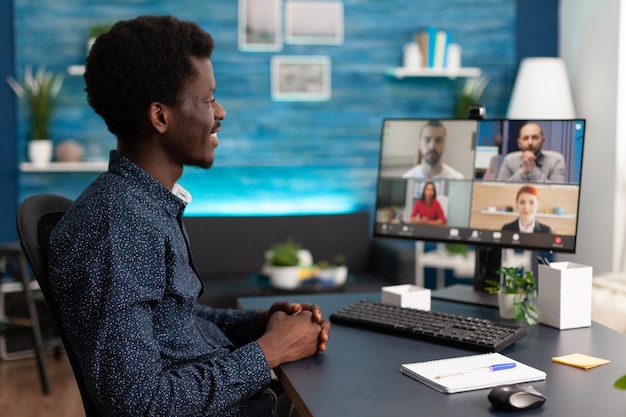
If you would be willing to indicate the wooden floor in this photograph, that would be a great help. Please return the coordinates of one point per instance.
(21, 394)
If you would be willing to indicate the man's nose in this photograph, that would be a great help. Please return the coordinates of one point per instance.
(220, 112)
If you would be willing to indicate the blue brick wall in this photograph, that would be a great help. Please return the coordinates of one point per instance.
(278, 157)
(8, 169)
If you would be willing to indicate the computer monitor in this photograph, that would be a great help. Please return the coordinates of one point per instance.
(499, 183)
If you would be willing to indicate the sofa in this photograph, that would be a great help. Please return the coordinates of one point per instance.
(229, 252)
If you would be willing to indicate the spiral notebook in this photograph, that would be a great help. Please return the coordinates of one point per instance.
(467, 373)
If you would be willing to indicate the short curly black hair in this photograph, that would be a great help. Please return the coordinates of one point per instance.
(140, 61)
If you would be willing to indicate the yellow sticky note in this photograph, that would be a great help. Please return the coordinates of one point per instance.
(581, 361)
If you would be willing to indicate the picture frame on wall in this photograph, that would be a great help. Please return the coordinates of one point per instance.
(260, 25)
(314, 23)
(301, 78)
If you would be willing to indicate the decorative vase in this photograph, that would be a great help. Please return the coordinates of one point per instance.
(341, 274)
(506, 304)
(90, 43)
(40, 152)
(69, 151)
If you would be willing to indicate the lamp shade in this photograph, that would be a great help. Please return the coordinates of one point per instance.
(541, 91)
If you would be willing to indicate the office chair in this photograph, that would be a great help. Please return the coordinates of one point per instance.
(11, 252)
(36, 217)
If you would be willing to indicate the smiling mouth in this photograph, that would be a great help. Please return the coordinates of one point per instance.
(214, 138)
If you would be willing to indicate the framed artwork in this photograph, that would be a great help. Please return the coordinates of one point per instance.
(319, 23)
(301, 78)
(260, 25)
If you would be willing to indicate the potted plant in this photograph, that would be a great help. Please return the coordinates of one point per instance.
(335, 273)
(470, 93)
(96, 30)
(391, 213)
(457, 249)
(40, 91)
(516, 294)
(287, 264)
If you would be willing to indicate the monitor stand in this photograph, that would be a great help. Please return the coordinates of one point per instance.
(488, 261)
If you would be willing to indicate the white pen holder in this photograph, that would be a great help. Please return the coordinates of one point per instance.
(564, 295)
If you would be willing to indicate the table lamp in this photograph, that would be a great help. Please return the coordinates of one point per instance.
(541, 91)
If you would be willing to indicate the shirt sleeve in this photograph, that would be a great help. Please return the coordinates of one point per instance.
(416, 209)
(440, 214)
(505, 172)
(558, 171)
(238, 325)
(111, 292)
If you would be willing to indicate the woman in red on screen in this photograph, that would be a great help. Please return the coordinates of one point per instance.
(527, 203)
(427, 209)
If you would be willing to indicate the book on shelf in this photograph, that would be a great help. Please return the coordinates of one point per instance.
(433, 45)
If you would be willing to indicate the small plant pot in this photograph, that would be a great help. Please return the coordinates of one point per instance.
(334, 275)
(284, 277)
(341, 275)
(506, 304)
(40, 152)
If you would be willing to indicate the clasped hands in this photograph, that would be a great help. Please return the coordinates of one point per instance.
(292, 331)
(528, 161)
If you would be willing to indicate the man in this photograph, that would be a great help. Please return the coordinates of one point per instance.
(531, 164)
(120, 262)
(432, 142)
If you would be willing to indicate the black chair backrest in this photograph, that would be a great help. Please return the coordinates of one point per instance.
(36, 218)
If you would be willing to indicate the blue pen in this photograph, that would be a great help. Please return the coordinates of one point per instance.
(496, 367)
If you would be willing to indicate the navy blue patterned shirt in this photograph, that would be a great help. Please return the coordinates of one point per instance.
(121, 271)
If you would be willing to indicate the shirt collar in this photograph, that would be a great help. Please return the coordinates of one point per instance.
(530, 229)
(180, 192)
(173, 201)
(539, 160)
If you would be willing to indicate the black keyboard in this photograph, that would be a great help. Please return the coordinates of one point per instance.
(447, 329)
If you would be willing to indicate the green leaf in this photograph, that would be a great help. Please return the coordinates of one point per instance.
(285, 253)
(621, 383)
(40, 91)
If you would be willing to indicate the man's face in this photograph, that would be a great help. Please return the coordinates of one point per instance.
(530, 138)
(432, 144)
(197, 116)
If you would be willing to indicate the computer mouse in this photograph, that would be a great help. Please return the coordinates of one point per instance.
(515, 397)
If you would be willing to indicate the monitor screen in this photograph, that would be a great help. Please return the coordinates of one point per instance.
(495, 182)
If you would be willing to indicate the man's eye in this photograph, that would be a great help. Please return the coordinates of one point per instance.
(209, 103)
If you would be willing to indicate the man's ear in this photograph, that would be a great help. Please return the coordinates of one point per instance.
(159, 116)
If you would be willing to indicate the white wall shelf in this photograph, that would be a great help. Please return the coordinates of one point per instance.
(76, 69)
(401, 72)
(539, 214)
(96, 166)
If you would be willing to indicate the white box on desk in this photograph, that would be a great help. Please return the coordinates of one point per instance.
(564, 295)
(406, 295)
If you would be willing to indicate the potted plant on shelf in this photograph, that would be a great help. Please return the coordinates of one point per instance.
(516, 294)
(96, 30)
(470, 93)
(40, 91)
